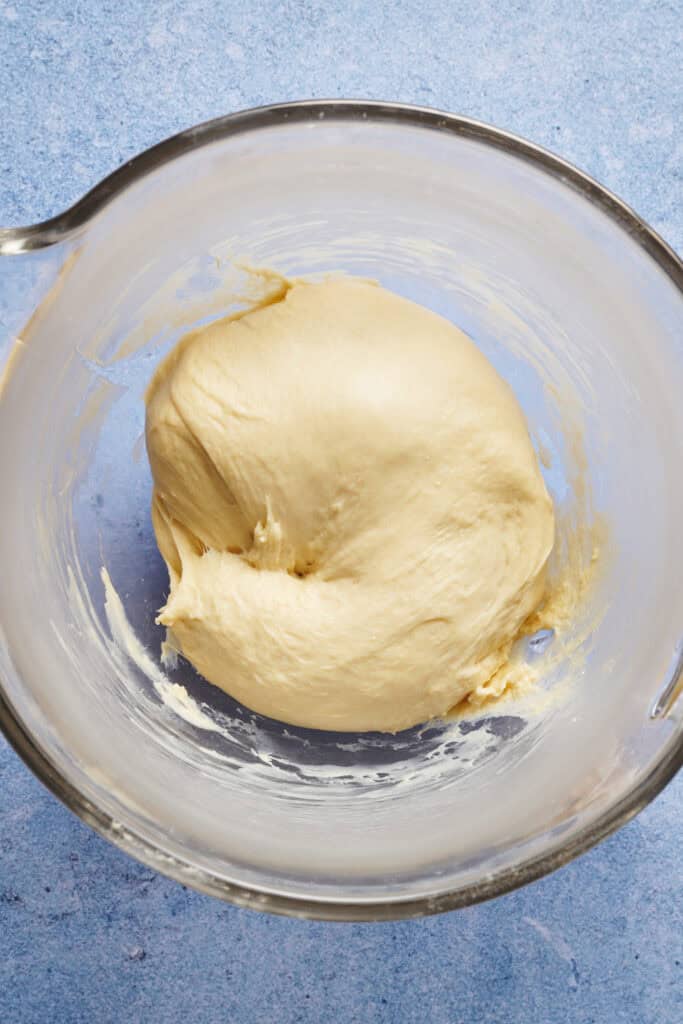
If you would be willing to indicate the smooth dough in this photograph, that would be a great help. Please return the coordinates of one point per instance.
(350, 507)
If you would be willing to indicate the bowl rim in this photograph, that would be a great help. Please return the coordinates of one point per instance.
(71, 221)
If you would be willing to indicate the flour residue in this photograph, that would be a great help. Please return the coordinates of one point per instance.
(173, 695)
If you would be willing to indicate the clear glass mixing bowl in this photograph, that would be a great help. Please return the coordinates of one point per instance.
(578, 304)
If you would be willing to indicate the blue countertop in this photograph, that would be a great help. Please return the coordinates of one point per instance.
(88, 935)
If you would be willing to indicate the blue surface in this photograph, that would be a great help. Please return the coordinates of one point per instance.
(87, 935)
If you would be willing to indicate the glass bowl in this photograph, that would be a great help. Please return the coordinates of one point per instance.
(579, 305)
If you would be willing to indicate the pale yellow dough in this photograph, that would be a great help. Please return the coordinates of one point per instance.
(350, 507)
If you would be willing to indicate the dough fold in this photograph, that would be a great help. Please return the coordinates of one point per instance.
(349, 505)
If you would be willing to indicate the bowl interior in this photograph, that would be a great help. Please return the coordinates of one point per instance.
(579, 319)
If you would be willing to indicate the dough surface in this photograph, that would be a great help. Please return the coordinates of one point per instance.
(349, 505)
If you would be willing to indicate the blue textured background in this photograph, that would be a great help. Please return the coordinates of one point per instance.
(87, 935)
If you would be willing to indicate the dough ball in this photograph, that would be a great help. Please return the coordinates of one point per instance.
(350, 507)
